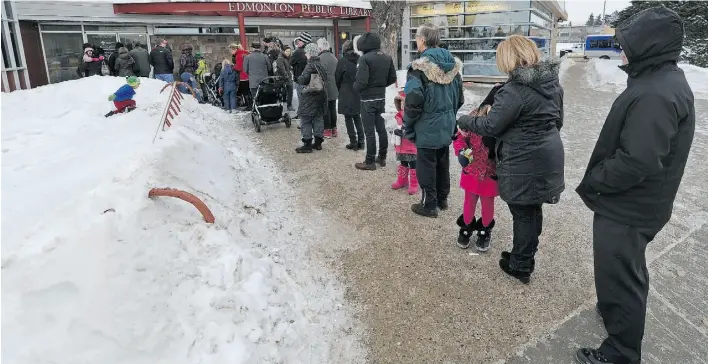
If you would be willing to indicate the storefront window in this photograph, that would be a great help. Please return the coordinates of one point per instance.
(477, 19)
(105, 41)
(473, 7)
(60, 28)
(132, 40)
(5, 57)
(115, 28)
(540, 21)
(63, 53)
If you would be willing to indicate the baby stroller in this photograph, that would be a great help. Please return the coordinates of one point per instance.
(212, 89)
(269, 104)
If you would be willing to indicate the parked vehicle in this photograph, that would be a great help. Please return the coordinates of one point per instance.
(603, 46)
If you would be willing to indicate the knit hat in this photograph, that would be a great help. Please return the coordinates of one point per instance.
(198, 54)
(256, 45)
(133, 81)
(305, 37)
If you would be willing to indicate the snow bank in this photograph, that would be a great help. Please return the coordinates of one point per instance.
(95, 272)
(605, 75)
(564, 65)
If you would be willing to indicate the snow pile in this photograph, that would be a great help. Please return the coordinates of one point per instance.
(564, 65)
(604, 74)
(95, 272)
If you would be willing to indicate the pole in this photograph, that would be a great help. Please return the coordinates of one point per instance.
(336, 37)
(242, 31)
(604, 5)
(367, 24)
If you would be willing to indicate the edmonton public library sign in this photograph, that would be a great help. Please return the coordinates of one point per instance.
(242, 8)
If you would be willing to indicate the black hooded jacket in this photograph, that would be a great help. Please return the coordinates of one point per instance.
(375, 70)
(526, 118)
(639, 159)
(345, 75)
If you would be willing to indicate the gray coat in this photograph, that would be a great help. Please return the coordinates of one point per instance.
(142, 61)
(124, 64)
(257, 66)
(329, 62)
(526, 119)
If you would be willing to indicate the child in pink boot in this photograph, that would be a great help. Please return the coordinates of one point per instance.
(405, 153)
(479, 181)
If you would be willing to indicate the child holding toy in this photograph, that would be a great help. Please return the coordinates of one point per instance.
(405, 153)
(479, 181)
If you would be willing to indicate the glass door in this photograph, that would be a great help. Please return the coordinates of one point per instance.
(107, 41)
(132, 40)
(63, 54)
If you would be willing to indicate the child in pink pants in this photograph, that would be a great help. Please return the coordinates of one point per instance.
(479, 181)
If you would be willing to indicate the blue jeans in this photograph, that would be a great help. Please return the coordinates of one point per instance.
(167, 77)
(230, 100)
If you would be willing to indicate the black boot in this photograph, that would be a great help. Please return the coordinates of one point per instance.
(466, 231)
(111, 113)
(524, 277)
(442, 205)
(422, 210)
(484, 236)
(365, 166)
(353, 146)
(506, 255)
(306, 146)
(381, 160)
(591, 356)
(318, 143)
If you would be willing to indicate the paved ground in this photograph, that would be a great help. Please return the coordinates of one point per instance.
(423, 300)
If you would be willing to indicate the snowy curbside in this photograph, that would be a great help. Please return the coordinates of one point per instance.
(564, 65)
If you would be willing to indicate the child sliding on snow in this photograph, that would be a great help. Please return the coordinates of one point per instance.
(479, 181)
(123, 98)
(405, 153)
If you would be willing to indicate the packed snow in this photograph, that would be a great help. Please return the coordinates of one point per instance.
(604, 74)
(566, 62)
(93, 271)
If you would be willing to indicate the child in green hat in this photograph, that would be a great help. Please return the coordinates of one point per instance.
(199, 73)
(123, 98)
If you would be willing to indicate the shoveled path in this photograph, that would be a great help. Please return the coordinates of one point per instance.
(423, 300)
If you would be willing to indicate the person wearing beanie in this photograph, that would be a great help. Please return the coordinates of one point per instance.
(258, 66)
(123, 97)
(202, 68)
(298, 61)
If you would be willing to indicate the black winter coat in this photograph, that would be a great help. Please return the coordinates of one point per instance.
(526, 119)
(636, 167)
(313, 104)
(112, 63)
(345, 75)
(162, 61)
(375, 71)
(125, 64)
(299, 61)
(142, 61)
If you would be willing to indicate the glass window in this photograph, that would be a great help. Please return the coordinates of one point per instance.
(15, 47)
(498, 18)
(61, 28)
(131, 40)
(538, 32)
(63, 53)
(115, 28)
(483, 6)
(540, 21)
(105, 41)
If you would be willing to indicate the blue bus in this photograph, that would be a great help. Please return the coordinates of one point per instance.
(602, 46)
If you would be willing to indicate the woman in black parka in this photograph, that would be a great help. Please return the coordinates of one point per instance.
(526, 119)
(349, 100)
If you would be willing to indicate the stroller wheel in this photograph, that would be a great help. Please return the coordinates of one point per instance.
(288, 121)
(256, 122)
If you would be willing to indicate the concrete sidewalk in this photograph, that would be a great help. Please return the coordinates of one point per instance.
(423, 300)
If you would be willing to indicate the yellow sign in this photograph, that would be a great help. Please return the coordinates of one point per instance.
(438, 9)
(484, 6)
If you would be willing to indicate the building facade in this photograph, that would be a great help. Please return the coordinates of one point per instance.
(54, 31)
(473, 29)
(14, 66)
(577, 33)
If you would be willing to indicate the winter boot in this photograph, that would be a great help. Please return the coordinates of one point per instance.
(422, 210)
(111, 113)
(524, 277)
(466, 231)
(590, 356)
(353, 146)
(328, 133)
(366, 166)
(318, 143)
(381, 160)
(442, 204)
(506, 255)
(413, 185)
(401, 179)
(484, 236)
(306, 146)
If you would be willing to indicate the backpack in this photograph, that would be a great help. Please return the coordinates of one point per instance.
(187, 61)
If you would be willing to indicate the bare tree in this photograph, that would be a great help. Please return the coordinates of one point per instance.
(387, 16)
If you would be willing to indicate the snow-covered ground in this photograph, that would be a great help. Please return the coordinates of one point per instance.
(604, 74)
(93, 271)
(566, 62)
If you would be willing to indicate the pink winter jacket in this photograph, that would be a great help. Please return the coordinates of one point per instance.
(407, 146)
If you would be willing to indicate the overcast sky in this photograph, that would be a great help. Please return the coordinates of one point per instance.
(579, 10)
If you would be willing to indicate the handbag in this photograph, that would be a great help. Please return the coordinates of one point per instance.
(104, 69)
(316, 84)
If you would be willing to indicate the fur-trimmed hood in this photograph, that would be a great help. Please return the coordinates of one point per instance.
(438, 65)
(542, 77)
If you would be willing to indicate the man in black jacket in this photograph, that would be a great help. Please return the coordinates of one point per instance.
(162, 62)
(375, 72)
(634, 174)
